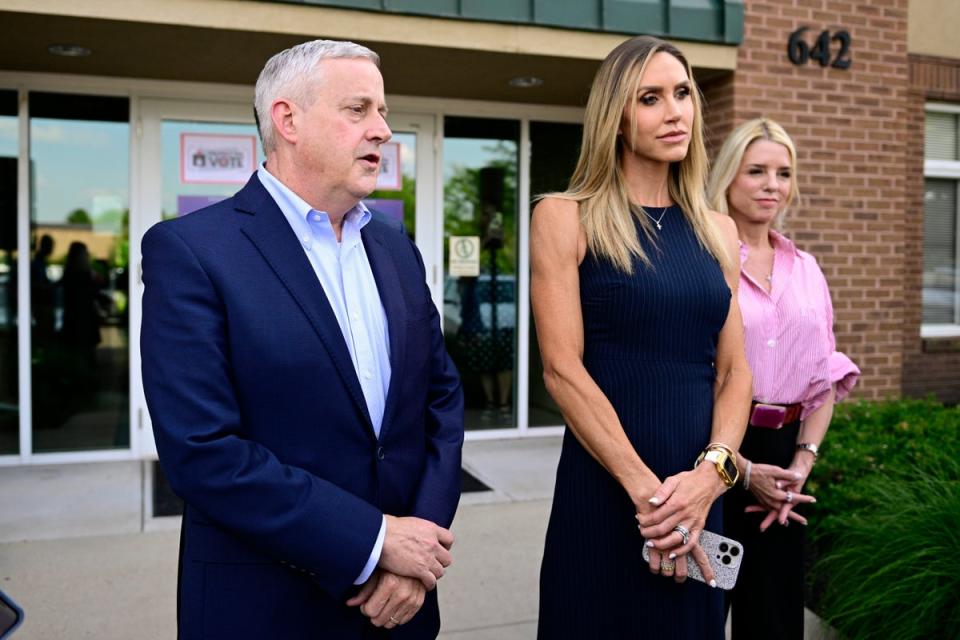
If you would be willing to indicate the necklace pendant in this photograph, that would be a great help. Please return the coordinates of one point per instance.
(659, 226)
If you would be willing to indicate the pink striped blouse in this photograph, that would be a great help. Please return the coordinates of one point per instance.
(789, 332)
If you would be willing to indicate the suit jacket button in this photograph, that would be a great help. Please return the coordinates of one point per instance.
(381, 454)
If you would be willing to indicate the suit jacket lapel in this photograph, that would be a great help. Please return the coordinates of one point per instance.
(270, 232)
(388, 285)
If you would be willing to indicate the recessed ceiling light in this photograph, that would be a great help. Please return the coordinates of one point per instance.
(69, 50)
(526, 82)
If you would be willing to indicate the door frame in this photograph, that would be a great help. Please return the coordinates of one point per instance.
(428, 215)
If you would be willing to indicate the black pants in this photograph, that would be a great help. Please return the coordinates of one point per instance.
(768, 599)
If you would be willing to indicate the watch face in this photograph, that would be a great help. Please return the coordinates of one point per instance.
(730, 467)
(724, 462)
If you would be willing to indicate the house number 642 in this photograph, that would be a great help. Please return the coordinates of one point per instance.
(800, 52)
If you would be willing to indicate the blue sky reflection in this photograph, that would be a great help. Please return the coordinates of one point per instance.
(80, 165)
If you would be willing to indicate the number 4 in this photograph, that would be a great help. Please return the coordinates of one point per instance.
(821, 50)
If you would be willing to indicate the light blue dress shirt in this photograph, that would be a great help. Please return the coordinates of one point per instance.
(345, 275)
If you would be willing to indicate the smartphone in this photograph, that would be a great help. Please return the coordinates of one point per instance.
(725, 555)
(10, 615)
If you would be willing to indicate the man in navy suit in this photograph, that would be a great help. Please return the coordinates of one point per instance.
(302, 400)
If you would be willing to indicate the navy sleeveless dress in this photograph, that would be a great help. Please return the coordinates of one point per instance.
(650, 340)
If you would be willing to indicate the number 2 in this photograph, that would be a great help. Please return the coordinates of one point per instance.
(842, 61)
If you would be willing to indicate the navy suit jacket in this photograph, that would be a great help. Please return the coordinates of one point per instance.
(262, 429)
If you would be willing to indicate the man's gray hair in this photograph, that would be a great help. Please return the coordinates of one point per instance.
(292, 73)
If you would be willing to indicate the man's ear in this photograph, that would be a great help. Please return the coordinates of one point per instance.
(282, 112)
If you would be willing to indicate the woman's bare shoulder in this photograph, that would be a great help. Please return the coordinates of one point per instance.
(555, 216)
(725, 224)
(557, 207)
(556, 224)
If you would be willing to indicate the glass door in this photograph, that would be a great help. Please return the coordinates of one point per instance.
(9, 233)
(198, 153)
(193, 154)
(78, 273)
(405, 189)
(480, 249)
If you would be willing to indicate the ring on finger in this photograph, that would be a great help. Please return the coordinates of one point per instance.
(394, 620)
(684, 533)
(667, 565)
(789, 497)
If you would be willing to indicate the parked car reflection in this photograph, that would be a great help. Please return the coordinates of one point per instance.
(479, 320)
(460, 294)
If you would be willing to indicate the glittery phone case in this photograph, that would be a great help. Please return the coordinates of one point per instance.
(724, 554)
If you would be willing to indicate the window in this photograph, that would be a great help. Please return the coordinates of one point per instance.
(941, 251)
(481, 169)
(9, 374)
(554, 149)
(79, 213)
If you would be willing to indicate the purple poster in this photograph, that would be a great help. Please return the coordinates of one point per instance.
(392, 208)
(189, 204)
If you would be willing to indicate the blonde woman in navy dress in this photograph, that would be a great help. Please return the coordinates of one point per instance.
(634, 286)
(797, 376)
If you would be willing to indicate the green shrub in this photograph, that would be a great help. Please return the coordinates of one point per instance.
(893, 569)
(870, 438)
(885, 530)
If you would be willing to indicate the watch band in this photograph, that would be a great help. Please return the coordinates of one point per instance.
(723, 462)
(812, 448)
(722, 447)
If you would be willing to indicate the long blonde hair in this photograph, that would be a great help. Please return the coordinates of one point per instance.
(728, 161)
(598, 184)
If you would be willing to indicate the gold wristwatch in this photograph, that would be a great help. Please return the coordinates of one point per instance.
(725, 464)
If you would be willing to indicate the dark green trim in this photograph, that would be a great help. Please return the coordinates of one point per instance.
(711, 21)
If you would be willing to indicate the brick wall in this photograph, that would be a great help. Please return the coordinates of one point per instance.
(850, 127)
(931, 365)
(718, 110)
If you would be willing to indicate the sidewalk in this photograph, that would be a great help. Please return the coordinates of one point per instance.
(123, 587)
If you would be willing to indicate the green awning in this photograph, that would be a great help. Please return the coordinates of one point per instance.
(709, 21)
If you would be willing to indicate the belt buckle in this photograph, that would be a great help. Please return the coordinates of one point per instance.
(767, 416)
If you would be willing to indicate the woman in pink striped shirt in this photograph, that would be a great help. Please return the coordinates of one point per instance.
(797, 376)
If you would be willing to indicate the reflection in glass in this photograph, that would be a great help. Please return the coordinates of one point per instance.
(391, 201)
(940, 268)
(179, 197)
(940, 136)
(79, 285)
(480, 302)
(554, 149)
(9, 377)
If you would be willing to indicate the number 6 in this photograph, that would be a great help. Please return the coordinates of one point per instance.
(797, 49)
